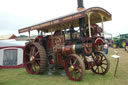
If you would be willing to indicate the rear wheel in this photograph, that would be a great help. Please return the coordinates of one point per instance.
(74, 67)
(34, 58)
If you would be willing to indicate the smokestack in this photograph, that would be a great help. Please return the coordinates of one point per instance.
(81, 20)
(80, 5)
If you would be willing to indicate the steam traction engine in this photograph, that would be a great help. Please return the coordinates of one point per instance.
(67, 47)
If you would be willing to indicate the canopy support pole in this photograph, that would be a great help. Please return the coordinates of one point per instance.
(29, 35)
(102, 24)
(89, 24)
(38, 32)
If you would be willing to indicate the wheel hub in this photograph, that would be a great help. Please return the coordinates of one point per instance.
(32, 58)
(71, 68)
(99, 63)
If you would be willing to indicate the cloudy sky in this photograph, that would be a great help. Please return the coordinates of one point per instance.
(16, 14)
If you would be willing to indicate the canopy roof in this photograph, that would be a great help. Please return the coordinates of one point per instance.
(71, 19)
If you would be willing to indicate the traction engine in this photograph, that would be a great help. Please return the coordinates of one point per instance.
(75, 44)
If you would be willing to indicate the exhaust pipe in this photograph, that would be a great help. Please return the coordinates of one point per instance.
(80, 5)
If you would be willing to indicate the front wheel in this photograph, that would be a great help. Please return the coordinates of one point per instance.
(102, 63)
(74, 67)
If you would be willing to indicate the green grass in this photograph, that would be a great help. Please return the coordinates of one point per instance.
(21, 77)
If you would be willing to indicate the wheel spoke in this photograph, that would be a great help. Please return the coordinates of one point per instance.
(37, 58)
(31, 54)
(37, 53)
(29, 62)
(27, 54)
(102, 57)
(102, 67)
(34, 52)
(70, 62)
(104, 60)
(31, 69)
(75, 61)
(37, 62)
(78, 67)
(105, 63)
(98, 69)
(77, 72)
(34, 66)
(102, 64)
(75, 75)
(74, 68)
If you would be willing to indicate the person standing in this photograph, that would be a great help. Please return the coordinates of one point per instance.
(126, 47)
(106, 48)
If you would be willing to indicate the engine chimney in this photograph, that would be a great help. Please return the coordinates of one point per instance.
(81, 20)
(80, 5)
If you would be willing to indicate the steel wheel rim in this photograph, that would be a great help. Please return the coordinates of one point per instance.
(74, 69)
(32, 59)
(102, 63)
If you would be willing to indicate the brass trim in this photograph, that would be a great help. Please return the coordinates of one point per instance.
(63, 49)
(67, 36)
(73, 48)
(89, 23)
(80, 9)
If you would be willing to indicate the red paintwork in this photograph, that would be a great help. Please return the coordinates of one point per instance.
(87, 45)
(10, 67)
(60, 60)
(12, 37)
(97, 30)
(22, 47)
(98, 41)
(58, 40)
(37, 38)
(55, 42)
(49, 43)
(10, 49)
(68, 49)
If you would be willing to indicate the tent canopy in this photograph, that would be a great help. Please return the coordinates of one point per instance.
(11, 42)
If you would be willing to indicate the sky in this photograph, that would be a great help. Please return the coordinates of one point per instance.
(17, 14)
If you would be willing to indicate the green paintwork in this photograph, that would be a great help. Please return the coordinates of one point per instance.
(120, 40)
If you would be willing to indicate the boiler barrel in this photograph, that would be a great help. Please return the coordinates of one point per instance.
(78, 48)
(71, 49)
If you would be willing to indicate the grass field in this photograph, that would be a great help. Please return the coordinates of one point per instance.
(21, 77)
